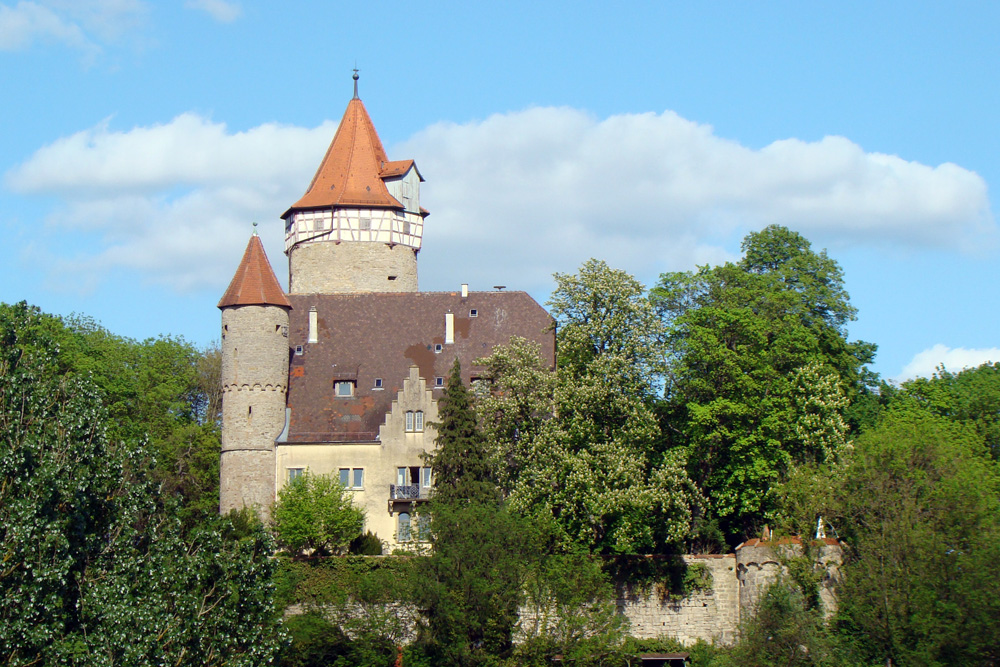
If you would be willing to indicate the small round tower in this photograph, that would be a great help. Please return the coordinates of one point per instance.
(254, 382)
(358, 228)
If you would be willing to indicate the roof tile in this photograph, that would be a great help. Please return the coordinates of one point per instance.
(254, 283)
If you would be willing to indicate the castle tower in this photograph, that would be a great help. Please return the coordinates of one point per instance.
(254, 381)
(358, 227)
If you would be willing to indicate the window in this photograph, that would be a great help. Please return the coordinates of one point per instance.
(425, 478)
(403, 527)
(298, 350)
(438, 347)
(406, 226)
(473, 313)
(343, 388)
(378, 383)
(439, 382)
(366, 224)
(352, 478)
(294, 474)
(414, 421)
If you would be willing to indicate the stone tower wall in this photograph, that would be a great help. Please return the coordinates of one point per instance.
(254, 387)
(351, 266)
(760, 564)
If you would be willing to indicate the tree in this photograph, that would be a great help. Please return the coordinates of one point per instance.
(583, 444)
(919, 506)
(473, 581)
(758, 351)
(95, 570)
(971, 396)
(462, 470)
(314, 513)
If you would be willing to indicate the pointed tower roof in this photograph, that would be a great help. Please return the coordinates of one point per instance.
(254, 283)
(353, 168)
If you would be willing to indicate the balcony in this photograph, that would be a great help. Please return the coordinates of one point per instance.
(408, 492)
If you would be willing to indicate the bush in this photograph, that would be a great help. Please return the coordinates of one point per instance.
(366, 545)
(315, 514)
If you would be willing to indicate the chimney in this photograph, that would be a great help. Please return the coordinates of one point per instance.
(313, 325)
(449, 328)
(465, 290)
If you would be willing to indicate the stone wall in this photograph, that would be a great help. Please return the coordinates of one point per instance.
(759, 564)
(351, 266)
(254, 387)
(711, 615)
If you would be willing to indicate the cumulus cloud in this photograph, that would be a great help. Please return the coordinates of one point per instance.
(954, 359)
(650, 192)
(79, 24)
(513, 197)
(220, 10)
(172, 202)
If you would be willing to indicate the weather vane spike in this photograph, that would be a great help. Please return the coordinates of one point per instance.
(355, 77)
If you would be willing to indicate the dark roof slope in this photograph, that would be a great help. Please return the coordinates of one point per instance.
(367, 336)
(254, 283)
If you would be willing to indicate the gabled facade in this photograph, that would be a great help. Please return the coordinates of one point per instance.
(363, 354)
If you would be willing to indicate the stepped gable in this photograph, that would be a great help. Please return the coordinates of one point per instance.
(353, 169)
(254, 283)
(364, 337)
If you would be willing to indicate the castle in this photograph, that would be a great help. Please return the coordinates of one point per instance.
(342, 374)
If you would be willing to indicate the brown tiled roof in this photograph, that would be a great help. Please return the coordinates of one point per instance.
(398, 168)
(351, 172)
(254, 283)
(380, 335)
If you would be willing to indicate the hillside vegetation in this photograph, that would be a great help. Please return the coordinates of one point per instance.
(682, 417)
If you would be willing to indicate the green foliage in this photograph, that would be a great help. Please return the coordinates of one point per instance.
(367, 544)
(581, 445)
(472, 584)
(667, 575)
(782, 631)
(462, 470)
(570, 610)
(919, 506)
(971, 396)
(761, 372)
(94, 569)
(315, 514)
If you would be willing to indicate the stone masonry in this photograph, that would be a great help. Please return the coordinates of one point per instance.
(333, 268)
(254, 385)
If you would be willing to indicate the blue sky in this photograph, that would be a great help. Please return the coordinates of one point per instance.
(141, 139)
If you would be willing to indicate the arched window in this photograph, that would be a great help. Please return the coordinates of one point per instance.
(403, 527)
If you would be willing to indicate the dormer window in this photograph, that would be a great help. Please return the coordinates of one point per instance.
(378, 383)
(438, 382)
(473, 313)
(343, 389)
(438, 347)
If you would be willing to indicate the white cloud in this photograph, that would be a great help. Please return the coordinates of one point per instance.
(79, 24)
(651, 192)
(514, 197)
(173, 202)
(27, 22)
(220, 10)
(926, 363)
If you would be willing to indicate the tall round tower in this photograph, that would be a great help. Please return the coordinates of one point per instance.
(254, 382)
(358, 228)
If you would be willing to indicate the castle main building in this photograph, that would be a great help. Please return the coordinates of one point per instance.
(342, 374)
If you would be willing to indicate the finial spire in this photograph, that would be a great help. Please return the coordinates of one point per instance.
(355, 77)
(255, 228)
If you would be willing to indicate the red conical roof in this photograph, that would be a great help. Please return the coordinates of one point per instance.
(352, 169)
(254, 283)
